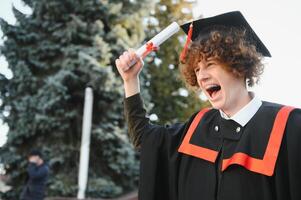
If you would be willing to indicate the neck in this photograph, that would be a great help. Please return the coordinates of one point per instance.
(238, 103)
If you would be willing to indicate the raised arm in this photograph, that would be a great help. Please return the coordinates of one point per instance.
(130, 75)
(135, 114)
(36, 172)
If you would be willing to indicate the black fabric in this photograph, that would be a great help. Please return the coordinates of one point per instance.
(168, 175)
(211, 139)
(36, 183)
(231, 19)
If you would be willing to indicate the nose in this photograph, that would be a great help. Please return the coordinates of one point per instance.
(202, 75)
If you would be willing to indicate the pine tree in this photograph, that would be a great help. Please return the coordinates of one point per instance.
(172, 101)
(54, 53)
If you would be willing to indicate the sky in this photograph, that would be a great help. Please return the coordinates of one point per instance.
(276, 22)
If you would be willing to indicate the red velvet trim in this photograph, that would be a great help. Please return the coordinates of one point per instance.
(194, 150)
(265, 166)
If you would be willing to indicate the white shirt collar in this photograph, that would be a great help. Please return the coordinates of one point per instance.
(244, 115)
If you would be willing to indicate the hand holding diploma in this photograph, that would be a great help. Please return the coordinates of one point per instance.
(123, 64)
(154, 43)
(130, 63)
(130, 75)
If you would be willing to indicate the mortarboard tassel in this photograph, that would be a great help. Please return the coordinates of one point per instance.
(188, 40)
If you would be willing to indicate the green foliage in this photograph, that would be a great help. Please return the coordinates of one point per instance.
(54, 53)
(172, 101)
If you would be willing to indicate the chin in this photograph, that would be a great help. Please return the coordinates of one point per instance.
(217, 105)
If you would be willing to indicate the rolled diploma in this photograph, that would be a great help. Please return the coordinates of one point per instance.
(158, 39)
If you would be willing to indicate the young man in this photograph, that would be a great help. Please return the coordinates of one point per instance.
(37, 171)
(242, 148)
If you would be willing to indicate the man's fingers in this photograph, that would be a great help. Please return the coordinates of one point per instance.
(127, 56)
(127, 60)
(124, 60)
(124, 65)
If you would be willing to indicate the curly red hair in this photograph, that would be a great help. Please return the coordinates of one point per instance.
(227, 46)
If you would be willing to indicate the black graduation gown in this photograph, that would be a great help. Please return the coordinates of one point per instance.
(217, 159)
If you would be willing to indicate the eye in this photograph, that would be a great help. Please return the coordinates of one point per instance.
(196, 70)
(210, 64)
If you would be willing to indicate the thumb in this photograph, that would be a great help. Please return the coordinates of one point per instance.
(139, 65)
(138, 61)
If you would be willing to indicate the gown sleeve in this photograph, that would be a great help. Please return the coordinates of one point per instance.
(288, 166)
(138, 124)
(158, 145)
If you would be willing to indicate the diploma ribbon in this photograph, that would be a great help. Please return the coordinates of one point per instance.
(149, 48)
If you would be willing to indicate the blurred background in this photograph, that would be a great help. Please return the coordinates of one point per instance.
(51, 50)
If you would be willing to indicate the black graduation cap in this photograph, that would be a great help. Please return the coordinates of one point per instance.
(231, 19)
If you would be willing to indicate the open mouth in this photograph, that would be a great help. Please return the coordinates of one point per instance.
(212, 90)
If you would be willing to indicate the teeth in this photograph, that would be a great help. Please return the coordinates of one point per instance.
(211, 86)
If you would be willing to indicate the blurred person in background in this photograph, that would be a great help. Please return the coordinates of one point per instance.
(37, 176)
